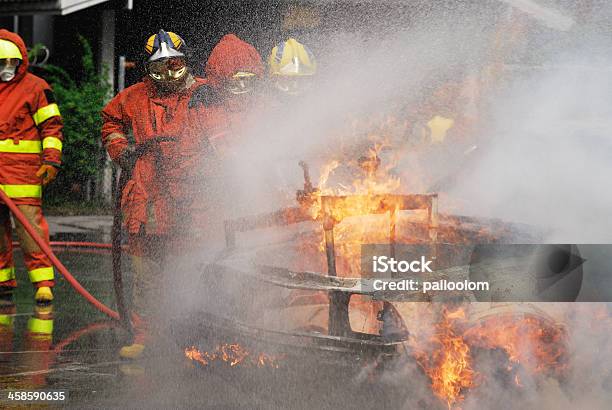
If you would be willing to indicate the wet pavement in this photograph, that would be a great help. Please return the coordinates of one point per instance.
(72, 347)
(80, 356)
(82, 227)
(65, 346)
(69, 346)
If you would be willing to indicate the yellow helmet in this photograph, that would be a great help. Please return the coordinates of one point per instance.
(8, 49)
(292, 58)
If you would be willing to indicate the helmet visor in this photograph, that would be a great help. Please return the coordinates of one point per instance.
(9, 63)
(293, 85)
(8, 68)
(170, 69)
(241, 83)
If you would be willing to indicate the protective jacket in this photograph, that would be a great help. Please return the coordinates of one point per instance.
(30, 130)
(229, 56)
(222, 117)
(226, 113)
(155, 192)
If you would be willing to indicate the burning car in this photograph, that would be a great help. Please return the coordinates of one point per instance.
(304, 265)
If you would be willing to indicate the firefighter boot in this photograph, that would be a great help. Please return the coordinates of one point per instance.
(136, 349)
(43, 295)
(132, 352)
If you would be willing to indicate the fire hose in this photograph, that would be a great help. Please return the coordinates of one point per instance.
(122, 315)
(116, 252)
(130, 157)
(56, 262)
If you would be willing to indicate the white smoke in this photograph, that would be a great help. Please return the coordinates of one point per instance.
(542, 157)
(542, 132)
(359, 79)
(545, 153)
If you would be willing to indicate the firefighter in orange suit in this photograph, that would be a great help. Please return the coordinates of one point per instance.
(158, 113)
(30, 156)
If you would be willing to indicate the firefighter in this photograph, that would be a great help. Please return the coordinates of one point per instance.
(234, 71)
(156, 112)
(292, 68)
(30, 157)
(229, 100)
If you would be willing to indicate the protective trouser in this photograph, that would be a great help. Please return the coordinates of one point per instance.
(39, 266)
(147, 254)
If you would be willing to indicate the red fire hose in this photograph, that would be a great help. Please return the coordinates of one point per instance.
(92, 327)
(123, 315)
(56, 262)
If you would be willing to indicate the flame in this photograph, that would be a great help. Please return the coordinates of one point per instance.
(517, 380)
(358, 220)
(446, 355)
(534, 342)
(349, 233)
(449, 364)
(232, 354)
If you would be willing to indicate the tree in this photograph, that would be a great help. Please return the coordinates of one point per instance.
(80, 101)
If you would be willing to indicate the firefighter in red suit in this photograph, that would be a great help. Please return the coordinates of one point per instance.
(158, 114)
(234, 71)
(30, 156)
(228, 101)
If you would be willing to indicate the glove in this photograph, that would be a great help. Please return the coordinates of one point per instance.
(116, 146)
(47, 173)
(127, 159)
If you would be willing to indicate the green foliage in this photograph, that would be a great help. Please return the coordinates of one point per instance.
(80, 101)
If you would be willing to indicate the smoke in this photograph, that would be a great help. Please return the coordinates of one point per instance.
(361, 79)
(545, 151)
(541, 119)
(541, 158)
(587, 383)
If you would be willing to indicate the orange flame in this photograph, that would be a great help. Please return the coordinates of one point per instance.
(373, 179)
(232, 354)
(449, 365)
(535, 343)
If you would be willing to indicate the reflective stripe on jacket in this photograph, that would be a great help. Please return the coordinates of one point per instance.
(30, 130)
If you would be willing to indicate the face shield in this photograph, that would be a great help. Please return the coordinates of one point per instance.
(293, 85)
(241, 83)
(167, 70)
(8, 68)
